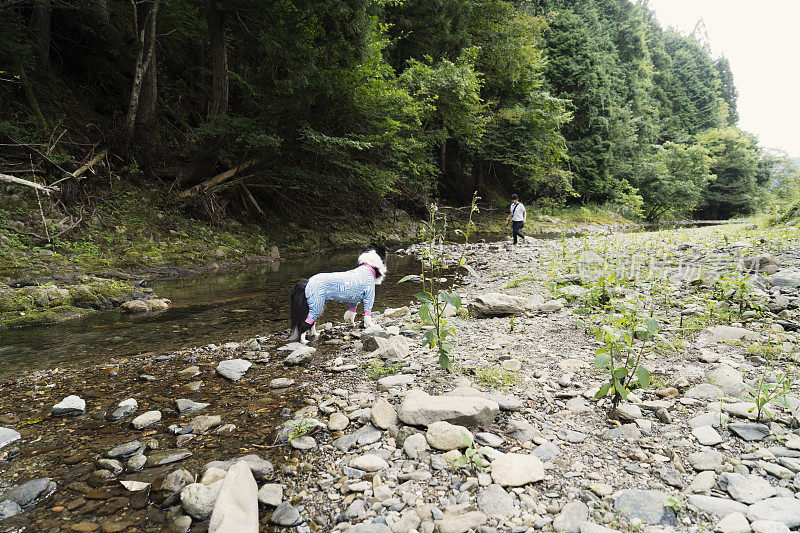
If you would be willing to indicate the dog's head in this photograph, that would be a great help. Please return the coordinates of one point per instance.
(374, 255)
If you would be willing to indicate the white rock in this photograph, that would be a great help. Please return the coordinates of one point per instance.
(7, 436)
(515, 470)
(69, 406)
(383, 414)
(198, 499)
(233, 369)
(425, 410)
(445, 436)
(733, 523)
(236, 508)
(369, 463)
(271, 494)
(145, 420)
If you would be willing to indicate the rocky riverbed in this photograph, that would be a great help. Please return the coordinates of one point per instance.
(364, 432)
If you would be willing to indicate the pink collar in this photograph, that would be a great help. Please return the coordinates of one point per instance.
(371, 269)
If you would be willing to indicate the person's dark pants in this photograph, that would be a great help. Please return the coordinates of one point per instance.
(516, 228)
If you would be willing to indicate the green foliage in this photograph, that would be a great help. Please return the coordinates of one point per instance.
(735, 159)
(624, 343)
(774, 385)
(674, 179)
(473, 457)
(379, 369)
(490, 376)
(433, 298)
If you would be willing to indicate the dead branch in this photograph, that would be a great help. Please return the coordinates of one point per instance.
(93, 161)
(22, 232)
(19, 181)
(216, 180)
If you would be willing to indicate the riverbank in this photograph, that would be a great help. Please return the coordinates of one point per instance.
(374, 440)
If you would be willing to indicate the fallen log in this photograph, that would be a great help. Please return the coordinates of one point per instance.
(216, 180)
(19, 181)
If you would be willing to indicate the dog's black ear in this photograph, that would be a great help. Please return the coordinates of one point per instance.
(380, 250)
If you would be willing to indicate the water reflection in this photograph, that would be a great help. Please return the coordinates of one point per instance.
(215, 308)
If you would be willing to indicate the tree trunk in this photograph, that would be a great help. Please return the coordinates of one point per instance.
(102, 12)
(146, 117)
(219, 58)
(40, 25)
(443, 156)
(146, 36)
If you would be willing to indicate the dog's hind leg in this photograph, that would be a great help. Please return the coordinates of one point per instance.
(350, 317)
(295, 336)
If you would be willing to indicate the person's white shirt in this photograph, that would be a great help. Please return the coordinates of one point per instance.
(518, 214)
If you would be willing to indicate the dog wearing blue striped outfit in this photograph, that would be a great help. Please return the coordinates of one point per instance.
(355, 286)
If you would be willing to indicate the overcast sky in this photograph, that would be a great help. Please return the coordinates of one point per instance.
(762, 42)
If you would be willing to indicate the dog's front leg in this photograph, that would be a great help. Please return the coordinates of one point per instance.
(314, 333)
(368, 322)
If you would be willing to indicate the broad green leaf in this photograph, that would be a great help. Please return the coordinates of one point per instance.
(652, 326)
(603, 390)
(620, 373)
(410, 277)
(643, 376)
(622, 391)
(602, 359)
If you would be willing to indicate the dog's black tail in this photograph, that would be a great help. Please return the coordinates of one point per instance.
(298, 309)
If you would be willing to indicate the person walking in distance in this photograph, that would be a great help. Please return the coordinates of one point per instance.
(517, 216)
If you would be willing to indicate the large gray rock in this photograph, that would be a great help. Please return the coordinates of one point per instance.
(716, 506)
(786, 278)
(571, 517)
(70, 406)
(176, 480)
(369, 463)
(460, 523)
(498, 304)
(145, 420)
(186, 406)
(128, 449)
(784, 510)
(718, 334)
(706, 460)
(728, 379)
(300, 356)
(750, 431)
(446, 436)
(165, 457)
(124, 409)
(760, 263)
(271, 494)
(416, 446)
(394, 349)
(590, 527)
(768, 526)
(396, 380)
(233, 369)
(646, 505)
(30, 492)
(507, 402)
(236, 508)
(495, 501)
(733, 523)
(7, 436)
(261, 468)
(522, 430)
(423, 410)
(383, 414)
(515, 470)
(748, 489)
(198, 499)
(285, 515)
(707, 436)
(9, 509)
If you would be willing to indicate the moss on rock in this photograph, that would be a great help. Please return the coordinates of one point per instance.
(40, 317)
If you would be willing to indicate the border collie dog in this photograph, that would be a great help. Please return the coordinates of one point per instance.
(308, 297)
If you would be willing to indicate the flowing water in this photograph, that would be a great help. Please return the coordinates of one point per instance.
(212, 308)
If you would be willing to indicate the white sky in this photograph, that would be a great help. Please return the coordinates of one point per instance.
(761, 40)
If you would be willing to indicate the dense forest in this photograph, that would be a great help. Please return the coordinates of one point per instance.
(366, 103)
